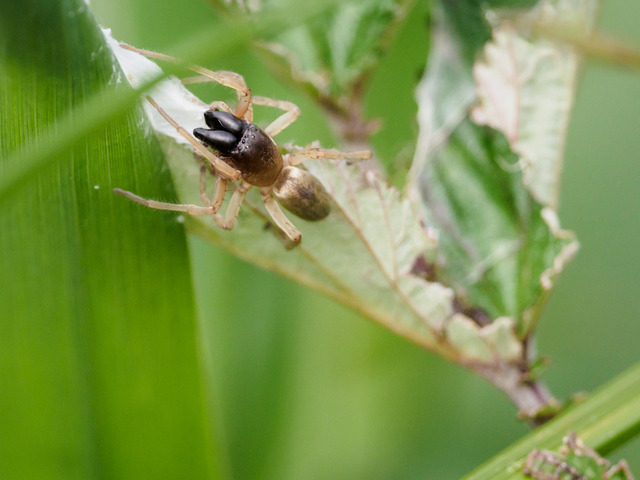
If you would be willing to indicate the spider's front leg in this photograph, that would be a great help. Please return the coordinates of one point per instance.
(228, 79)
(211, 208)
(315, 153)
(291, 113)
(218, 192)
(221, 168)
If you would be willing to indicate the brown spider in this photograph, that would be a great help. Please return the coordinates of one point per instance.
(239, 150)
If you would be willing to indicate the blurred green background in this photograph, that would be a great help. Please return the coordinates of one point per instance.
(308, 389)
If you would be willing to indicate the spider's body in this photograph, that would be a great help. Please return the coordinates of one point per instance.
(247, 148)
(240, 150)
(243, 145)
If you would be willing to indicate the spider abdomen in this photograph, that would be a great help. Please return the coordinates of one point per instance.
(302, 194)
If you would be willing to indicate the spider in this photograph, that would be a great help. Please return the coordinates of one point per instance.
(576, 461)
(238, 150)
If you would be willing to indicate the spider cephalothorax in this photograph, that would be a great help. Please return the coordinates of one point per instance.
(237, 149)
(249, 149)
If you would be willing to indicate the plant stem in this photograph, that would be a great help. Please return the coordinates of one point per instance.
(532, 398)
(605, 420)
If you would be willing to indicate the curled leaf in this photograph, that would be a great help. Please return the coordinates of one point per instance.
(492, 193)
(494, 107)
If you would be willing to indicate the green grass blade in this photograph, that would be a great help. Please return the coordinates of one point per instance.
(99, 365)
(605, 420)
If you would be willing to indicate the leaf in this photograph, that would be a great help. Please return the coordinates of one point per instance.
(525, 91)
(99, 367)
(333, 55)
(492, 192)
(480, 254)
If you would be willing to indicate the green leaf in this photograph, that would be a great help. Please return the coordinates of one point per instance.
(99, 367)
(492, 192)
(334, 54)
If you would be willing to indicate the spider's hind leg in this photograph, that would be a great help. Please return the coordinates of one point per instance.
(280, 218)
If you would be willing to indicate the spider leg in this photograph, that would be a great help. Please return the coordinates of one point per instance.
(220, 106)
(234, 207)
(291, 113)
(217, 105)
(211, 209)
(226, 78)
(280, 218)
(218, 192)
(296, 158)
(203, 185)
(176, 207)
(220, 167)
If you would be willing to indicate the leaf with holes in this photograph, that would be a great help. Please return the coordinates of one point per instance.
(487, 167)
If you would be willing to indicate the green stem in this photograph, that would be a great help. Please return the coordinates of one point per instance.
(605, 420)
